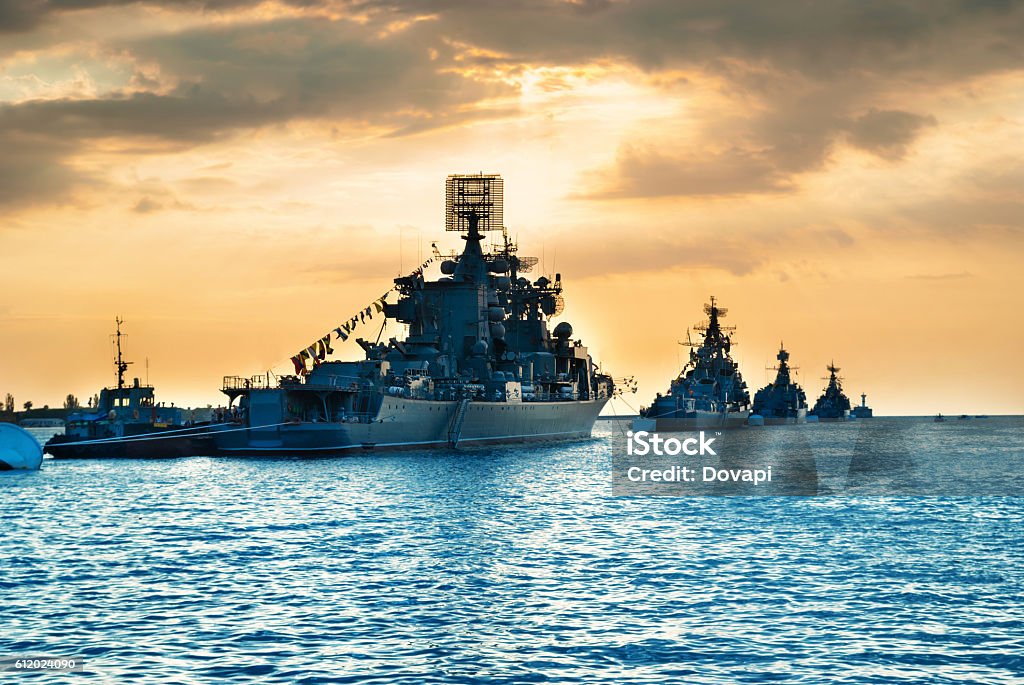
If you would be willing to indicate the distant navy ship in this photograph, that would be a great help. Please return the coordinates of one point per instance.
(479, 364)
(128, 422)
(833, 405)
(709, 391)
(781, 401)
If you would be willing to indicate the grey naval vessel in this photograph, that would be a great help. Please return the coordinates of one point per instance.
(709, 392)
(781, 401)
(833, 405)
(479, 364)
(128, 422)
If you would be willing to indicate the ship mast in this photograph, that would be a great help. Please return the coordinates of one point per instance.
(120, 364)
(834, 381)
(782, 377)
(473, 203)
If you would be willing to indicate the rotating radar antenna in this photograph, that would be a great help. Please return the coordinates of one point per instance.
(474, 203)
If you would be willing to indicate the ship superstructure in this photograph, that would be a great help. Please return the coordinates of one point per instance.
(710, 390)
(783, 400)
(478, 365)
(833, 405)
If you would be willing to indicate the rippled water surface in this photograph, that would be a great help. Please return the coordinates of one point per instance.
(506, 565)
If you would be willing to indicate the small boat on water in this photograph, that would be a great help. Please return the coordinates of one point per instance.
(19, 451)
(127, 422)
(939, 418)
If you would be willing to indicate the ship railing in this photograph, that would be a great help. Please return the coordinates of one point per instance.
(337, 382)
(243, 383)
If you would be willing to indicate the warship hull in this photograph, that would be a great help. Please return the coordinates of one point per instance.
(799, 417)
(700, 420)
(150, 446)
(409, 424)
(785, 420)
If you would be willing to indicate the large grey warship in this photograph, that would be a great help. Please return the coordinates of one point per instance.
(478, 366)
(709, 392)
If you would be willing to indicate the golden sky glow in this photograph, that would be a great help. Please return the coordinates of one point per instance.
(237, 178)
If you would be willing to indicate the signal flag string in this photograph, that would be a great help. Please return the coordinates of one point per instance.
(318, 351)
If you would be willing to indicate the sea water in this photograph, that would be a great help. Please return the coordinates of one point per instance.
(506, 565)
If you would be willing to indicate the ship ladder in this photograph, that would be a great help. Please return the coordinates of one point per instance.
(455, 427)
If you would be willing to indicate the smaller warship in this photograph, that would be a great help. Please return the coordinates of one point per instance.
(709, 392)
(781, 401)
(127, 422)
(833, 405)
(863, 411)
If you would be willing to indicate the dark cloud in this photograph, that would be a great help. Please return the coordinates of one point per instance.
(649, 173)
(887, 133)
(691, 244)
(244, 77)
(809, 76)
(147, 205)
(337, 72)
(820, 40)
(33, 171)
(817, 39)
(24, 15)
(190, 114)
(769, 152)
(815, 73)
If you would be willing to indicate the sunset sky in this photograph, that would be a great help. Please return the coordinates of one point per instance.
(236, 178)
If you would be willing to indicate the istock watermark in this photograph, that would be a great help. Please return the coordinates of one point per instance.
(650, 463)
(900, 456)
(642, 443)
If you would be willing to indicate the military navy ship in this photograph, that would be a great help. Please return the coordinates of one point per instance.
(833, 405)
(781, 401)
(709, 391)
(127, 421)
(479, 364)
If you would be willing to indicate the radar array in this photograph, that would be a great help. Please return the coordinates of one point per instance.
(478, 197)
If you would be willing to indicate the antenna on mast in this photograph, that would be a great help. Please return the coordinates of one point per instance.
(119, 362)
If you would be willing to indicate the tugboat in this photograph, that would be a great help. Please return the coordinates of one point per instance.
(833, 405)
(709, 392)
(783, 401)
(127, 422)
(479, 365)
(863, 411)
